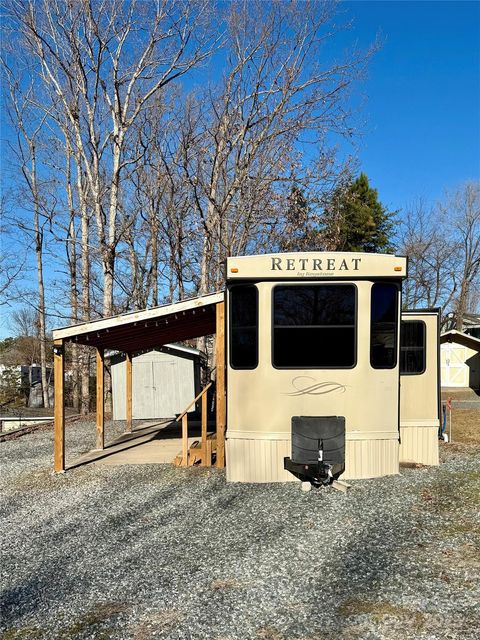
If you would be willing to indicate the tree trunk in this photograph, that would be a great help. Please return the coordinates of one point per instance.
(72, 264)
(41, 288)
(461, 305)
(84, 355)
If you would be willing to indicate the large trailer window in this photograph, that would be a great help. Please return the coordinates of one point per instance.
(412, 347)
(314, 326)
(383, 327)
(244, 326)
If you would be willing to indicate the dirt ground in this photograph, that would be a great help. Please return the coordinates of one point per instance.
(465, 421)
(465, 426)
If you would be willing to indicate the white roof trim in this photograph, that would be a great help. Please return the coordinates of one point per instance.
(172, 346)
(137, 316)
(453, 333)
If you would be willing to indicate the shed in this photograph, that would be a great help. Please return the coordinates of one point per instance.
(460, 360)
(164, 381)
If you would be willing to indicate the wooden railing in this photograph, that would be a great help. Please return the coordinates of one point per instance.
(205, 449)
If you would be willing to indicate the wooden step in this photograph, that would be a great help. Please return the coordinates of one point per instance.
(195, 452)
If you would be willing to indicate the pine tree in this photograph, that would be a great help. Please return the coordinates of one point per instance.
(355, 220)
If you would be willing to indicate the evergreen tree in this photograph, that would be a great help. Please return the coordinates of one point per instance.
(355, 220)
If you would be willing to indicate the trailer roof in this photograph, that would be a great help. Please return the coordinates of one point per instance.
(138, 330)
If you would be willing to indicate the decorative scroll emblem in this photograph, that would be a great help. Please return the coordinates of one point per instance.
(303, 387)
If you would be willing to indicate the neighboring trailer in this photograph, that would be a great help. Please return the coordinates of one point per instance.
(314, 335)
(419, 387)
(164, 381)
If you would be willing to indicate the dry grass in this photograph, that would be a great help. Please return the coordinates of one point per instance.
(269, 633)
(158, 624)
(225, 585)
(379, 609)
(465, 426)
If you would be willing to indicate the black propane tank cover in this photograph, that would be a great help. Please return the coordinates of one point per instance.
(311, 433)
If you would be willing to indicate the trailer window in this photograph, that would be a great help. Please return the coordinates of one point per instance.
(244, 326)
(412, 347)
(383, 327)
(314, 326)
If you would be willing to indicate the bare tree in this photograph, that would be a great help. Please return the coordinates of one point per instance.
(443, 246)
(12, 263)
(29, 129)
(432, 280)
(103, 63)
(240, 139)
(463, 211)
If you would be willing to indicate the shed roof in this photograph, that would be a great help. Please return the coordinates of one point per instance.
(138, 330)
(460, 337)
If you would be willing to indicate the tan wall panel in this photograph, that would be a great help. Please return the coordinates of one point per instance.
(419, 444)
(419, 393)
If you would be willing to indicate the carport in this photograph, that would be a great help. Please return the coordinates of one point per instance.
(136, 331)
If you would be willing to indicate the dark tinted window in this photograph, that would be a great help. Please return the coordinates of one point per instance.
(314, 326)
(383, 328)
(244, 327)
(412, 347)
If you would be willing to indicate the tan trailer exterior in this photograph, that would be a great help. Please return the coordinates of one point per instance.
(262, 400)
(420, 390)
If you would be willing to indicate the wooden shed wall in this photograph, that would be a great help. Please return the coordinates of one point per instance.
(163, 384)
(465, 365)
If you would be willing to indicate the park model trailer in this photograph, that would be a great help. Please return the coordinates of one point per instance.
(317, 380)
(318, 373)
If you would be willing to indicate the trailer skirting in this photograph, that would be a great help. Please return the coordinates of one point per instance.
(419, 443)
(258, 457)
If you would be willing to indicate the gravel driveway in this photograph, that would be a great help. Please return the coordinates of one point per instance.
(159, 552)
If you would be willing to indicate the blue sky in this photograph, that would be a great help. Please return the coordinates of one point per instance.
(422, 131)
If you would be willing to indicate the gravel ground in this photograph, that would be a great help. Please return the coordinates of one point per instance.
(159, 552)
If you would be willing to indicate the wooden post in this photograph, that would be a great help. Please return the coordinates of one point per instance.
(128, 390)
(100, 400)
(59, 410)
(206, 462)
(184, 440)
(220, 399)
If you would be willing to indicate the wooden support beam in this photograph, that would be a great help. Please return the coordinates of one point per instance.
(128, 392)
(220, 398)
(206, 461)
(100, 399)
(184, 440)
(342, 486)
(59, 410)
